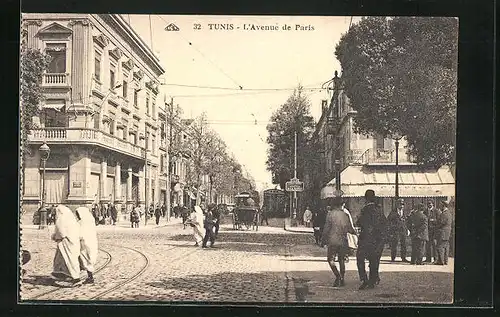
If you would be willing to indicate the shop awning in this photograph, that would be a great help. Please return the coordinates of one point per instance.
(413, 182)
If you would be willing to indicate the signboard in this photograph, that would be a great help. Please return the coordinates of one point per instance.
(294, 185)
(77, 184)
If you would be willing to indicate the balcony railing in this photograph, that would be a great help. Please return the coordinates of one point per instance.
(59, 80)
(85, 136)
(376, 156)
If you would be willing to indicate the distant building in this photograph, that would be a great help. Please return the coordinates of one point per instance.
(100, 114)
(367, 162)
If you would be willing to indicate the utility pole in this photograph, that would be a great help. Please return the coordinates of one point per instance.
(170, 142)
(295, 176)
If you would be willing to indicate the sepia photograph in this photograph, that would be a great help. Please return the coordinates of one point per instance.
(237, 158)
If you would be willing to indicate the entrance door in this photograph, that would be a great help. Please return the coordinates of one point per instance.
(95, 187)
(56, 187)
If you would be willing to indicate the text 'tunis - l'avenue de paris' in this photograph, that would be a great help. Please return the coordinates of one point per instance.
(257, 27)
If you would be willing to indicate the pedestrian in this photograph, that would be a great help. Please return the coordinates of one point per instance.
(184, 215)
(135, 216)
(372, 223)
(66, 265)
(208, 224)
(430, 246)
(419, 234)
(217, 215)
(150, 211)
(398, 230)
(163, 210)
(157, 214)
(196, 221)
(88, 243)
(307, 217)
(350, 251)
(264, 214)
(337, 225)
(318, 222)
(95, 213)
(114, 214)
(443, 232)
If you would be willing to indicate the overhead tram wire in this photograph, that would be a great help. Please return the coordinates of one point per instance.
(203, 55)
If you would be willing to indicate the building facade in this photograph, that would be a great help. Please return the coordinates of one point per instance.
(100, 116)
(362, 162)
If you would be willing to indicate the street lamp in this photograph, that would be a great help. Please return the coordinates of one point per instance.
(44, 155)
(396, 137)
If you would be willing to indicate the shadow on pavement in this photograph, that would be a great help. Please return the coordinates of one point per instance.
(254, 237)
(394, 287)
(224, 286)
(310, 287)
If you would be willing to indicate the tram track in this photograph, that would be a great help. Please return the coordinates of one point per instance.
(56, 288)
(82, 288)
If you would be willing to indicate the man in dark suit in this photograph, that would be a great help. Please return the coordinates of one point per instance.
(443, 231)
(209, 224)
(397, 230)
(419, 234)
(337, 225)
(371, 241)
(430, 246)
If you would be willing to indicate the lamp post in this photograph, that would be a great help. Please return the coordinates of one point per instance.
(44, 155)
(396, 137)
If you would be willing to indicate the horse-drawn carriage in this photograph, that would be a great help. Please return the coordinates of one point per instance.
(246, 212)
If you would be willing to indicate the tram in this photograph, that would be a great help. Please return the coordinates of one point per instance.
(246, 211)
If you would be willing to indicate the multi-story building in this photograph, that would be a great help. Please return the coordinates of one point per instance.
(367, 162)
(100, 116)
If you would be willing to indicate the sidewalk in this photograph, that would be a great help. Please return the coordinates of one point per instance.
(124, 224)
(298, 228)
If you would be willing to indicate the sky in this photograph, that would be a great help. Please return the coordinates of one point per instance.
(260, 61)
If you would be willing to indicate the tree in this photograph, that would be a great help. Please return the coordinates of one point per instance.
(403, 72)
(33, 64)
(293, 116)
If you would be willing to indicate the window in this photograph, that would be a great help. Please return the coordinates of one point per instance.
(153, 144)
(153, 108)
(97, 65)
(161, 163)
(112, 126)
(125, 89)
(136, 97)
(147, 105)
(379, 141)
(57, 53)
(112, 79)
(96, 121)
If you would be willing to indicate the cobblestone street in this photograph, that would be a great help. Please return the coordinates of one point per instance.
(160, 263)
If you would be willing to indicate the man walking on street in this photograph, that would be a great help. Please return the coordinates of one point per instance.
(337, 225)
(307, 217)
(430, 246)
(264, 215)
(419, 234)
(157, 214)
(443, 231)
(372, 223)
(209, 228)
(397, 230)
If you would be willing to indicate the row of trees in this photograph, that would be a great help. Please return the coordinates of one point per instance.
(208, 155)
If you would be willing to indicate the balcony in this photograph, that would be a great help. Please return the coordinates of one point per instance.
(56, 80)
(85, 136)
(377, 156)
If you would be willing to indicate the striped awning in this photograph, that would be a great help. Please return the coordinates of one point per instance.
(413, 182)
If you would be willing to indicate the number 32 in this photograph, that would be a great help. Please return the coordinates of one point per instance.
(197, 26)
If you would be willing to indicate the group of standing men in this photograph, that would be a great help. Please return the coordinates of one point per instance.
(429, 230)
(104, 213)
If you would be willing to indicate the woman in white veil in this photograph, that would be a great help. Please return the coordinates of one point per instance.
(88, 242)
(67, 236)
